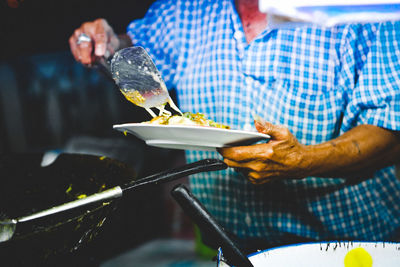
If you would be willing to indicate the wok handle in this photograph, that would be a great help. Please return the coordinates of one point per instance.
(198, 213)
(179, 172)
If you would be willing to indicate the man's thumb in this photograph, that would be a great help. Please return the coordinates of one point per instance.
(277, 132)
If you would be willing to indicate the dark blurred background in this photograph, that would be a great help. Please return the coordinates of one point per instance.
(42, 26)
(46, 97)
(51, 104)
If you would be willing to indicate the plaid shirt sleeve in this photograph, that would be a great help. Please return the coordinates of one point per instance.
(375, 98)
(155, 32)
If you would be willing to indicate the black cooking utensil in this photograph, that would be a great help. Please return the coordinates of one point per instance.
(7, 227)
(208, 225)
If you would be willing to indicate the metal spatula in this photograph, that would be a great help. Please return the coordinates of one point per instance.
(138, 78)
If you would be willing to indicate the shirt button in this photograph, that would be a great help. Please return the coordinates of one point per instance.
(248, 220)
(237, 35)
(248, 80)
(247, 127)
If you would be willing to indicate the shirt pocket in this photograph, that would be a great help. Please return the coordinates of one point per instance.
(310, 115)
(305, 87)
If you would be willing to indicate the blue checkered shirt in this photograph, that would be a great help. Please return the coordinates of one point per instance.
(319, 82)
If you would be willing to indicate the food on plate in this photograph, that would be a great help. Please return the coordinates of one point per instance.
(186, 118)
(138, 99)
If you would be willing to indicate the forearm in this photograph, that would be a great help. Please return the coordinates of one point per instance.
(358, 152)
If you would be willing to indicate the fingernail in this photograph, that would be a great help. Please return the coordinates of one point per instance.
(257, 118)
(100, 50)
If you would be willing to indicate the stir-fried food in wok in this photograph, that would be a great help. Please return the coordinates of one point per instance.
(186, 118)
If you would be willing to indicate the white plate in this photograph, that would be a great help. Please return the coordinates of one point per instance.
(189, 137)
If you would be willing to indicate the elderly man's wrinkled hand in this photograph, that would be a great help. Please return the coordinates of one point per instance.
(283, 157)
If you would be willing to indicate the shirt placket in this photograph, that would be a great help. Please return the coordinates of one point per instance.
(245, 80)
(245, 101)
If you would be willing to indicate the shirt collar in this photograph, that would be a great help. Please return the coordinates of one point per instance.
(238, 31)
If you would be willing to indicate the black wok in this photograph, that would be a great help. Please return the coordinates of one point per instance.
(28, 188)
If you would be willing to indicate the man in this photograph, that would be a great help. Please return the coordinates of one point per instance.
(328, 97)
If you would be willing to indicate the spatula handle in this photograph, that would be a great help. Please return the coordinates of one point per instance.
(114, 192)
(103, 64)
